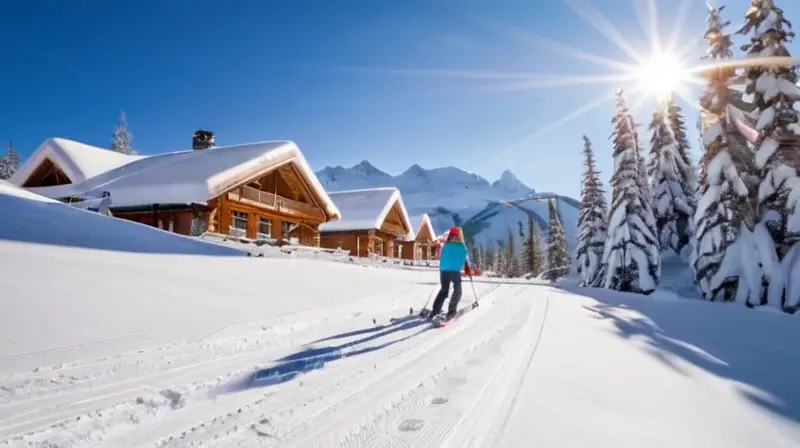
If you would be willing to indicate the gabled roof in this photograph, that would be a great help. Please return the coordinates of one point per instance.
(78, 161)
(420, 221)
(194, 176)
(365, 209)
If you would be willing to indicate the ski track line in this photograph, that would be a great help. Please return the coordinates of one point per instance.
(54, 408)
(219, 328)
(275, 327)
(433, 400)
(435, 411)
(498, 399)
(312, 387)
(473, 330)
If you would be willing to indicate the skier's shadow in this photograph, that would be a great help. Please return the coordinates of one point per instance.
(304, 361)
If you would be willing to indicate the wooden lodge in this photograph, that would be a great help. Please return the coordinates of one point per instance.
(374, 222)
(258, 191)
(424, 245)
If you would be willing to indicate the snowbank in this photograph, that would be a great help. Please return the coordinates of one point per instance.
(26, 217)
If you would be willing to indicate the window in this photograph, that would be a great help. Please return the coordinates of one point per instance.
(239, 220)
(287, 226)
(265, 226)
(238, 225)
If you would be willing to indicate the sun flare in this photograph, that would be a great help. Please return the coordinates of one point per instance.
(661, 75)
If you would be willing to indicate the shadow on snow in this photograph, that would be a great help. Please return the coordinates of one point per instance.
(313, 358)
(765, 357)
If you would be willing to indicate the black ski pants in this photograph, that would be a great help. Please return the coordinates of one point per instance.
(446, 278)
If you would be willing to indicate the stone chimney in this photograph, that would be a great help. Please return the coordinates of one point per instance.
(202, 140)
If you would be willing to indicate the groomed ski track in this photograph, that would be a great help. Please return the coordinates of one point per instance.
(325, 376)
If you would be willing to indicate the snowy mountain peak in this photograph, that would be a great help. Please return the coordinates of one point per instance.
(368, 169)
(415, 171)
(509, 182)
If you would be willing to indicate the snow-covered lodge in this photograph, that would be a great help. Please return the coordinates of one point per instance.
(373, 222)
(261, 190)
(422, 244)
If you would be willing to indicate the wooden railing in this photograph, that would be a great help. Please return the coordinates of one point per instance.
(273, 201)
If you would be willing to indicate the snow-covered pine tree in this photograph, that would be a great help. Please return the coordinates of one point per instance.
(777, 145)
(723, 219)
(488, 257)
(631, 259)
(557, 255)
(122, 137)
(538, 248)
(500, 265)
(591, 219)
(678, 126)
(511, 254)
(670, 185)
(12, 159)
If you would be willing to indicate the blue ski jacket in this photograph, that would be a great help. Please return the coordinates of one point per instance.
(453, 256)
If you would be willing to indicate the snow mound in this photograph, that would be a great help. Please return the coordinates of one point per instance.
(30, 218)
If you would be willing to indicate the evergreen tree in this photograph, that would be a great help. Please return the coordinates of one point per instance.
(122, 137)
(532, 249)
(557, 254)
(537, 244)
(677, 125)
(591, 219)
(631, 259)
(777, 142)
(489, 257)
(670, 184)
(9, 164)
(500, 259)
(511, 254)
(723, 218)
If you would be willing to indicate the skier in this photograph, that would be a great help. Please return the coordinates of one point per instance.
(453, 257)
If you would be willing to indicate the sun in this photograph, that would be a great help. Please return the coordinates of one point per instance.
(661, 75)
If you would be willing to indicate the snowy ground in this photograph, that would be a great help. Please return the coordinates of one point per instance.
(188, 346)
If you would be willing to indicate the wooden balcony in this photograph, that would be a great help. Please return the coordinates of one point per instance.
(254, 196)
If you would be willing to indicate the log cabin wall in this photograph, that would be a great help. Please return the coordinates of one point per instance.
(359, 242)
(178, 221)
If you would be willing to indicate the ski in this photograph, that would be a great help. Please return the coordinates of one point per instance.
(441, 322)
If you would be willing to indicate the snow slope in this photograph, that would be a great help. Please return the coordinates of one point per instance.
(203, 351)
(450, 195)
(27, 217)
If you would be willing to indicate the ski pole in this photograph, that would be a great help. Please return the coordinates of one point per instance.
(473, 291)
(422, 311)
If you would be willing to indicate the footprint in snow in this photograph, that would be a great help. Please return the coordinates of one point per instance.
(412, 424)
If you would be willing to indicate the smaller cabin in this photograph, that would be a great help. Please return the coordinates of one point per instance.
(59, 161)
(374, 221)
(423, 246)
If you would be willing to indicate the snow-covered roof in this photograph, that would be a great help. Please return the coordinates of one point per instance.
(366, 209)
(418, 222)
(77, 160)
(193, 176)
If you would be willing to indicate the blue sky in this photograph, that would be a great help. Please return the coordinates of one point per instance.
(393, 82)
